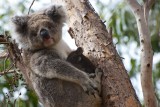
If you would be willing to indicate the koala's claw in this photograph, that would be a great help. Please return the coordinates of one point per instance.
(97, 79)
(92, 85)
(91, 93)
(90, 88)
(92, 75)
(94, 95)
(98, 72)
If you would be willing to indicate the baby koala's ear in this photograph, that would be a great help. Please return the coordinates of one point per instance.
(56, 13)
(79, 50)
(20, 23)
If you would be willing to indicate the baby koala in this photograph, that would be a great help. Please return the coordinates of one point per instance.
(81, 62)
(56, 81)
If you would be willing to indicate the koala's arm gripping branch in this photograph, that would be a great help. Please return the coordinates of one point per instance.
(57, 68)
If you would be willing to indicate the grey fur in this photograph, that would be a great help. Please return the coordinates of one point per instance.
(56, 82)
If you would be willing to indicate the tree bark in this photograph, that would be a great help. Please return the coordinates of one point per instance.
(141, 14)
(90, 33)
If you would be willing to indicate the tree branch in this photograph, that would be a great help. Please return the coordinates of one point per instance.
(3, 54)
(146, 54)
(15, 56)
(7, 72)
(134, 5)
(150, 3)
(147, 6)
(31, 6)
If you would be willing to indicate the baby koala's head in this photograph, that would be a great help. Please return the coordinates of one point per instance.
(39, 30)
(80, 61)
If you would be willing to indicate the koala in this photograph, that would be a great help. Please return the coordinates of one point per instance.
(57, 82)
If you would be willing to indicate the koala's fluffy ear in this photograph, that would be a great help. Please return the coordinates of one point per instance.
(56, 13)
(20, 23)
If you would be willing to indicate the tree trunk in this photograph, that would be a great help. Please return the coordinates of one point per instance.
(90, 33)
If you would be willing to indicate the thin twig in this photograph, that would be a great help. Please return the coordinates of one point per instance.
(30, 6)
(13, 65)
(4, 42)
(2, 38)
(4, 63)
(7, 72)
(3, 55)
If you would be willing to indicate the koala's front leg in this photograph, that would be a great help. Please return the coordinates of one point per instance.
(57, 68)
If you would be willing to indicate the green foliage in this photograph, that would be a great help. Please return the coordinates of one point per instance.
(14, 82)
(124, 24)
(154, 23)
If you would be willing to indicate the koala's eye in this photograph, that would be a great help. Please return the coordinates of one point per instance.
(44, 33)
(79, 58)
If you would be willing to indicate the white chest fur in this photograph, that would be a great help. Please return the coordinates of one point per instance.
(63, 49)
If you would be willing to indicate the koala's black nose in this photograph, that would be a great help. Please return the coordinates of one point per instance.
(44, 33)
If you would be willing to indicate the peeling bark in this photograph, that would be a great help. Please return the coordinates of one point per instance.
(90, 33)
(141, 14)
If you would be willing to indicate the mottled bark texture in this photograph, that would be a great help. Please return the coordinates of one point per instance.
(89, 32)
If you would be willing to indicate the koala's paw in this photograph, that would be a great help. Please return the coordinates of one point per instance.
(56, 12)
(97, 79)
(90, 87)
